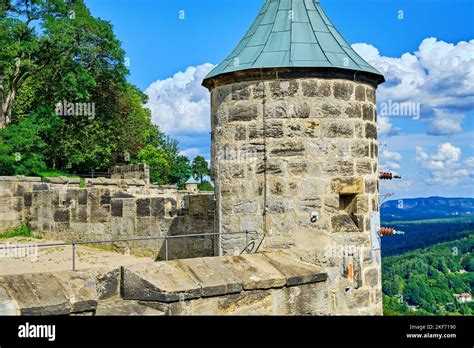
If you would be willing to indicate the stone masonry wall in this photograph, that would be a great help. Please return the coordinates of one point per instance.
(108, 209)
(314, 193)
(138, 171)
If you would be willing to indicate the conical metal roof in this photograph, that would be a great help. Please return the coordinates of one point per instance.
(292, 33)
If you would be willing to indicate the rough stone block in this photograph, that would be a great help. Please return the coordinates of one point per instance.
(370, 94)
(158, 207)
(288, 149)
(107, 284)
(27, 199)
(272, 130)
(61, 215)
(162, 281)
(371, 277)
(243, 112)
(143, 207)
(255, 271)
(358, 298)
(240, 92)
(296, 273)
(278, 109)
(360, 93)
(368, 112)
(343, 223)
(282, 89)
(339, 168)
(360, 149)
(116, 207)
(309, 88)
(343, 90)
(105, 199)
(214, 278)
(338, 130)
(352, 185)
(363, 167)
(40, 187)
(353, 111)
(299, 110)
(240, 132)
(371, 186)
(298, 168)
(279, 206)
(370, 131)
(324, 89)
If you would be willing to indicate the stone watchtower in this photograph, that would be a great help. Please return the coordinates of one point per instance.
(294, 149)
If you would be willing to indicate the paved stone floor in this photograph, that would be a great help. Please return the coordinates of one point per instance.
(51, 259)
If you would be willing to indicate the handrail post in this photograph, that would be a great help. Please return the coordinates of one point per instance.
(73, 256)
(246, 240)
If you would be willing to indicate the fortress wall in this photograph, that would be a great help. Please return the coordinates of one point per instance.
(58, 208)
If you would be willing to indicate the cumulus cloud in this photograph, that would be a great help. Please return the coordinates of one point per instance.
(469, 162)
(179, 104)
(191, 152)
(445, 123)
(385, 127)
(444, 166)
(390, 161)
(439, 76)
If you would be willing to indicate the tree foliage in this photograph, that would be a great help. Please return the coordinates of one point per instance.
(427, 279)
(55, 51)
(200, 168)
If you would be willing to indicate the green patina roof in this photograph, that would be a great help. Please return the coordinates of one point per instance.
(308, 39)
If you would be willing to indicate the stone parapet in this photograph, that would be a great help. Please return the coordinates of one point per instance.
(199, 279)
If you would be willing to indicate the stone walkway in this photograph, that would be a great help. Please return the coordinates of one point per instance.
(54, 259)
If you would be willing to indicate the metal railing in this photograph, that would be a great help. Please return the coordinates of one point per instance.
(165, 238)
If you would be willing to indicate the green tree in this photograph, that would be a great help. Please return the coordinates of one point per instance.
(21, 148)
(157, 160)
(468, 263)
(199, 168)
(180, 171)
(54, 51)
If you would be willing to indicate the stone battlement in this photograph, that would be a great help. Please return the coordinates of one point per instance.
(106, 209)
(262, 284)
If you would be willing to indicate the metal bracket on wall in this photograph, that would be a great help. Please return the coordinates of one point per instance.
(374, 230)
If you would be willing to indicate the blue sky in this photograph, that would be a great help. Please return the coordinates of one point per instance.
(434, 153)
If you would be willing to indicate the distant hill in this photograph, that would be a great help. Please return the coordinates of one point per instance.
(410, 209)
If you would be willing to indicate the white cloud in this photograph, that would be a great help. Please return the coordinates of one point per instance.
(191, 152)
(439, 76)
(469, 162)
(391, 155)
(390, 161)
(385, 127)
(445, 123)
(444, 167)
(179, 104)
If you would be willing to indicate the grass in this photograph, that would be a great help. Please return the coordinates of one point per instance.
(52, 173)
(20, 231)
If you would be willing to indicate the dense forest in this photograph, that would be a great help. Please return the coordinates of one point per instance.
(424, 281)
(66, 100)
(419, 234)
